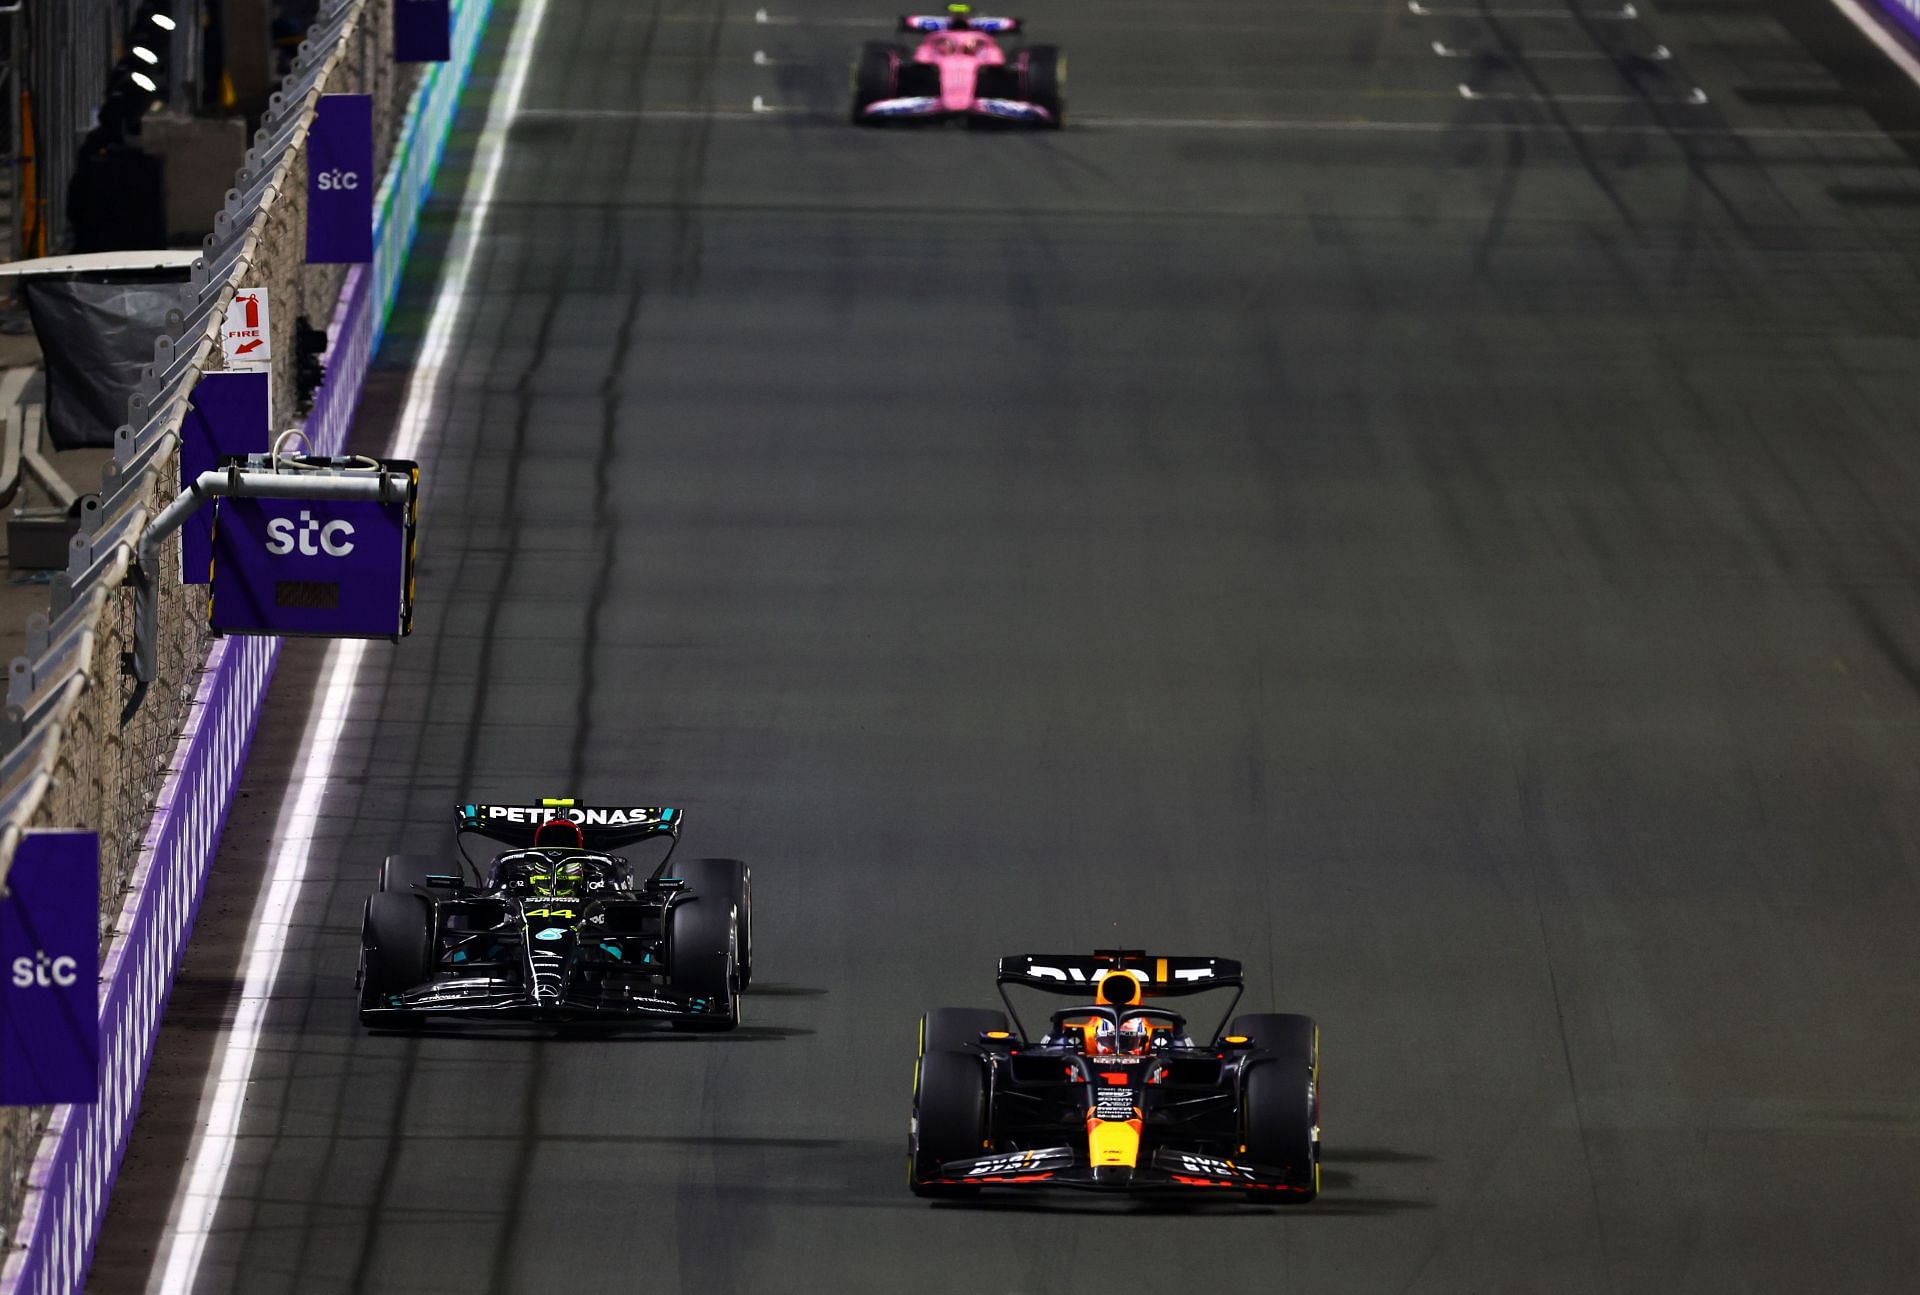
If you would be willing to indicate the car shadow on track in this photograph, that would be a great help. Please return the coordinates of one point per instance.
(1372, 1156)
(583, 1034)
(778, 990)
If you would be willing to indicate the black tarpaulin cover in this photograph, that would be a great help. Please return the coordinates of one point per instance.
(96, 334)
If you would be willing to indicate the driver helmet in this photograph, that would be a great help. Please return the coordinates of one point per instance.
(562, 832)
(959, 17)
(1102, 1038)
(1136, 1036)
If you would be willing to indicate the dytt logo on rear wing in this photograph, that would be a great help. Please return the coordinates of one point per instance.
(1072, 973)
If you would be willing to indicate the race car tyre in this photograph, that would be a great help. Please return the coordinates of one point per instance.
(917, 80)
(1046, 69)
(948, 1029)
(734, 880)
(401, 872)
(875, 76)
(949, 1119)
(998, 83)
(703, 941)
(1280, 1116)
(396, 946)
(1284, 1034)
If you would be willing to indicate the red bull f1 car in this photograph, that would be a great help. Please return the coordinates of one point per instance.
(1116, 1094)
(557, 927)
(959, 71)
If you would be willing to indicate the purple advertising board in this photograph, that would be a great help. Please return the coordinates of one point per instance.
(340, 180)
(422, 31)
(229, 414)
(1906, 13)
(50, 971)
(340, 569)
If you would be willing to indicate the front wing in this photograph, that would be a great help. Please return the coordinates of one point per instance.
(1167, 1170)
(928, 107)
(480, 996)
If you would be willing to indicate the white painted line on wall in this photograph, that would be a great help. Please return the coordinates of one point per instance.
(217, 1139)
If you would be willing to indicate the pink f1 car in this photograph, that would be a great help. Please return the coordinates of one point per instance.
(959, 71)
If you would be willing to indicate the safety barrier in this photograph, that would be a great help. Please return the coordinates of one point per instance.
(77, 1157)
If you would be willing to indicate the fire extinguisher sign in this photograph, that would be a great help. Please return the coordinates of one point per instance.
(247, 339)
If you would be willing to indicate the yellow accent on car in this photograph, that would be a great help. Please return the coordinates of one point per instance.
(556, 802)
(999, 1034)
(1237, 1040)
(1113, 1142)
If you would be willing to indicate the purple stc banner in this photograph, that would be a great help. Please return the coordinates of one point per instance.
(1904, 12)
(422, 31)
(229, 414)
(50, 971)
(340, 180)
(343, 569)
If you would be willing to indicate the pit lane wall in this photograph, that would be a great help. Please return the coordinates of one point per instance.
(75, 1161)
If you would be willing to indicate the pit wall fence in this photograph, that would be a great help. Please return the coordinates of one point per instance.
(48, 775)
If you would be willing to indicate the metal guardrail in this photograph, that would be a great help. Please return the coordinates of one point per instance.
(144, 448)
(81, 743)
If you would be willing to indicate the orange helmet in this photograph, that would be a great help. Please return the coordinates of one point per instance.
(1102, 1038)
(1136, 1035)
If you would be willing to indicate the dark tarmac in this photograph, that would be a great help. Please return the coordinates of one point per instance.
(1456, 554)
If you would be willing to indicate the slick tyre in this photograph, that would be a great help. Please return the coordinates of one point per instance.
(947, 1029)
(876, 76)
(1279, 1113)
(1283, 1034)
(396, 947)
(731, 880)
(703, 941)
(949, 1119)
(1046, 77)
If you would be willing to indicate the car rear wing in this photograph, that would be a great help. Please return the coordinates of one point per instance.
(1077, 975)
(601, 828)
(1160, 977)
(928, 22)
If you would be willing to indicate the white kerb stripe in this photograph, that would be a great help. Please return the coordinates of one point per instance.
(221, 1104)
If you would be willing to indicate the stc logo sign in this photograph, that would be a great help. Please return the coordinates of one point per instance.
(43, 972)
(333, 539)
(338, 179)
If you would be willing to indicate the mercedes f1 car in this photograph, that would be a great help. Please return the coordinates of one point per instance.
(1116, 1094)
(556, 927)
(959, 71)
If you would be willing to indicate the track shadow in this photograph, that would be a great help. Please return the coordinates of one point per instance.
(602, 1035)
(1371, 1156)
(777, 990)
(1335, 1205)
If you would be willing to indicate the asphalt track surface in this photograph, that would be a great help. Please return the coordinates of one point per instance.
(1455, 554)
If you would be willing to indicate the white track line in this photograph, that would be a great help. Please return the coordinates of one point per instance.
(1692, 99)
(1884, 40)
(1625, 13)
(218, 1138)
(1659, 54)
